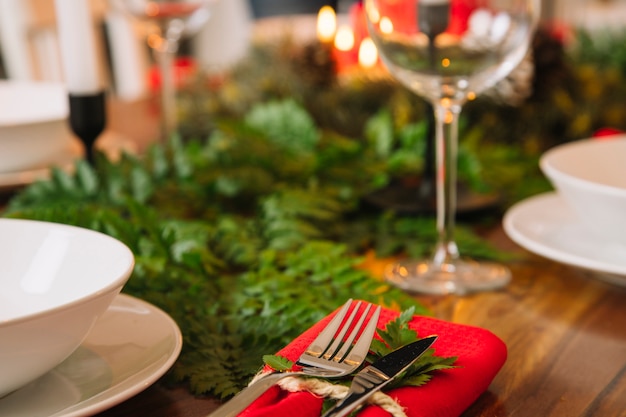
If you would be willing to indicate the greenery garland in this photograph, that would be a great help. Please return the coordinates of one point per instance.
(244, 240)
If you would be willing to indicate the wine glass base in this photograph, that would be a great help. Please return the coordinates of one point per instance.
(461, 277)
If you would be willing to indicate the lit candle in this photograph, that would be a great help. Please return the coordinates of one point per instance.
(345, 53)
(368, 54)
(344, 41)
(326, 24)
(77, 43)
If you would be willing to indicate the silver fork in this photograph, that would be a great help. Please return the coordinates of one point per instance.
(330, 355)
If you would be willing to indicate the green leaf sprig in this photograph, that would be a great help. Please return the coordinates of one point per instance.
(396, 334)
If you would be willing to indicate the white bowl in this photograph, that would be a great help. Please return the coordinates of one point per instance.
(55, 281)
(33, 124)
(590, 174)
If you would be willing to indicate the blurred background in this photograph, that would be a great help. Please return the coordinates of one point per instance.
(29, 48)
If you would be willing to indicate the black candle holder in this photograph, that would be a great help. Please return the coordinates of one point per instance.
(433, 20)
(88, 119)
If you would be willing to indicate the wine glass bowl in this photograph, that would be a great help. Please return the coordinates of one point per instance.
(166, 22)
(449, 51)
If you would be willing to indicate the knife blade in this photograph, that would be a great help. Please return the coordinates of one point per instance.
(375, 376)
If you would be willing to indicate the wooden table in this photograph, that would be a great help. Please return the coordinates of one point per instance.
(566, 336)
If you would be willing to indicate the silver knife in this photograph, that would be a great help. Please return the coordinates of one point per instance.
(375, 376)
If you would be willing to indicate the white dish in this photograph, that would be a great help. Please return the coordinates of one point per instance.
(129, 348)
(111, 143)
(56, 281)
(590, 174)
(546, 225)
(33, 123)
(63, 159)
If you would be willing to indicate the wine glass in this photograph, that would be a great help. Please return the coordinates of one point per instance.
(167, 22)
(448, 51)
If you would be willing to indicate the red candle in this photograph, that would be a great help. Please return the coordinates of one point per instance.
(460, 12)
(345, 51)
(358, 22)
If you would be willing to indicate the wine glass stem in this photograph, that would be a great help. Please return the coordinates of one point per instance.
(446, 144)
(165, 56)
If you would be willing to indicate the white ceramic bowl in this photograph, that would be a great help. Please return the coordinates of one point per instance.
(590, 175)
(33, 124)
(55, 281)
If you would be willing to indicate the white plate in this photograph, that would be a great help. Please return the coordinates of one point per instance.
(64, 159)
(130, 347)
(111, 143)
(545, 224)
(33, 122)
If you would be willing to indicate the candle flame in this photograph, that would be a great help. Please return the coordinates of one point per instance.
(344, 41)
(326, 24)
(368, 54)
(386, 25)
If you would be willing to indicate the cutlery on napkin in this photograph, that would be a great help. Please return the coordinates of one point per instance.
(480, 354)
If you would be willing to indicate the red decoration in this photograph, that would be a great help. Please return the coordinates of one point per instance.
(607, 133)
(184, 68)
(460, 13)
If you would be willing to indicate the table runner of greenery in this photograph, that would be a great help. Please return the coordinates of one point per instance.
(242, 242)
(250, 226)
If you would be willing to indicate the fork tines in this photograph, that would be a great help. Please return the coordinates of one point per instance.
(332, 345)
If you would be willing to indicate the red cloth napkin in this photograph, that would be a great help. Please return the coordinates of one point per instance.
(480, 356)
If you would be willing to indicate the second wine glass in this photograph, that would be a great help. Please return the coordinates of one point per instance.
(167, 22)
(448, 51)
